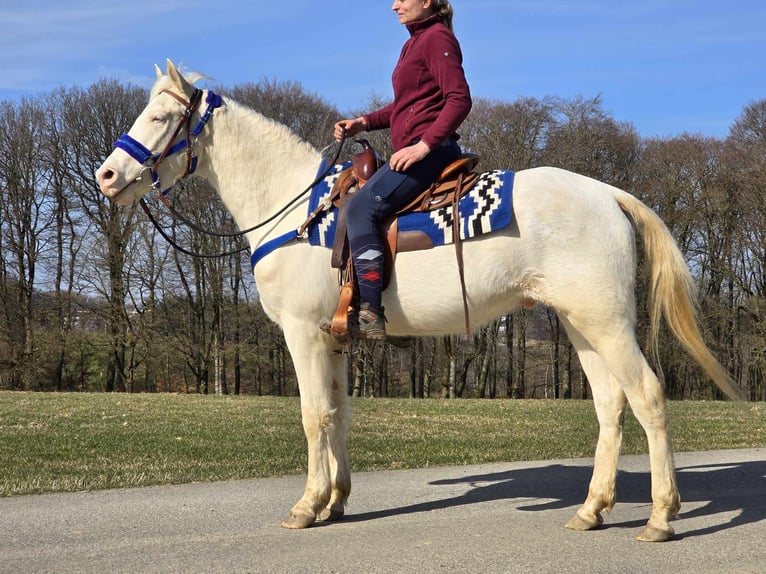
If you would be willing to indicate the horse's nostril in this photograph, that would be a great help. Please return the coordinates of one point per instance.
(105, 176)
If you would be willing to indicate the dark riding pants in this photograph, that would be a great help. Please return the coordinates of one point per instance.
(385, 192)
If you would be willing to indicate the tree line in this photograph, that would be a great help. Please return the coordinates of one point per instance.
(93, 299)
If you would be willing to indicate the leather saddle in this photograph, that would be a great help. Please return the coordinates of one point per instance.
(454, 182)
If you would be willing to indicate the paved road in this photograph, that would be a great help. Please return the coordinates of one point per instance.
(492, 518)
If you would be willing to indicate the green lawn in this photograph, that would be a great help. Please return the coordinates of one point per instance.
(65, 442)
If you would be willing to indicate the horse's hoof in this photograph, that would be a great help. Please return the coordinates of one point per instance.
(331, 514)
(298, 521)
(580, 524)
(652, 534)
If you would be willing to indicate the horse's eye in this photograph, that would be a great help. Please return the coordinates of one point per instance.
(158, 120)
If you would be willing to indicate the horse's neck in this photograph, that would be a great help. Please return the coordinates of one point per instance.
(256, 165)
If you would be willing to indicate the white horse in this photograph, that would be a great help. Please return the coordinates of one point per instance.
(571, 246)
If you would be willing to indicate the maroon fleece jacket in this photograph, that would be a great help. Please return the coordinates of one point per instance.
(431, 95)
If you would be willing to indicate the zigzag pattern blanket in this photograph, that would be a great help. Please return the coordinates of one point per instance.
(486, 207)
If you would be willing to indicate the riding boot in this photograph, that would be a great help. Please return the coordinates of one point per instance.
(372, 322)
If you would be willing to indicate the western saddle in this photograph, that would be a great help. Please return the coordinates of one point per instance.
(455, 180)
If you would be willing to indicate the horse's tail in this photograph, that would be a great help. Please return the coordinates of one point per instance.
(672, 292)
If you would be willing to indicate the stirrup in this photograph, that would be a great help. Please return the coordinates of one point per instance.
(326, 324)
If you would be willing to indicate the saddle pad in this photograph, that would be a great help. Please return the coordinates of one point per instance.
(485, 208)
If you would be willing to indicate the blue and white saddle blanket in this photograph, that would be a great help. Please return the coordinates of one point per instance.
(485, 208)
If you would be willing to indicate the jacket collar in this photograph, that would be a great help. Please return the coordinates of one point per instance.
(417, 27)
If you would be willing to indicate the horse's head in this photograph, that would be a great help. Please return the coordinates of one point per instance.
(149, 152)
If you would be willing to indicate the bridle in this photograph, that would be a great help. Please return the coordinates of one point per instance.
(144, 156)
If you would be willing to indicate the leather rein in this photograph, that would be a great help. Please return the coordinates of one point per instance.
(144, 156)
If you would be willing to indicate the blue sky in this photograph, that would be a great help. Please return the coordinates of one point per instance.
(667, 66)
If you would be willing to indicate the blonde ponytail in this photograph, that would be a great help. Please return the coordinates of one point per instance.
(444, 9)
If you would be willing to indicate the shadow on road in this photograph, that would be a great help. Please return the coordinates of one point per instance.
(738, 488)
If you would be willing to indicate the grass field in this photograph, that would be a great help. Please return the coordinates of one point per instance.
(67, 442)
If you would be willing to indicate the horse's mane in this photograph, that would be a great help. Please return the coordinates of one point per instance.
(270, 128)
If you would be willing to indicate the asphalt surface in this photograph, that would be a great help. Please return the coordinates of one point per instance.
(485, 519)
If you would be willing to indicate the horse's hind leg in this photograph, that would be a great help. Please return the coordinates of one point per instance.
(325, 414)
(609, 401)
(648, 405)
(621, 355)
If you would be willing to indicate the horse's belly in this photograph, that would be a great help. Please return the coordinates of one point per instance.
(425, 296)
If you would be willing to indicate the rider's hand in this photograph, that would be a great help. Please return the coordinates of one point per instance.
(407, 156)
(352, 128)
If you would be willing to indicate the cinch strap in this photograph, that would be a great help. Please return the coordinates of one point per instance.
(270, 246)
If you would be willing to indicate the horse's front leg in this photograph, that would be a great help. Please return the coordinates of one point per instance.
(325, 414)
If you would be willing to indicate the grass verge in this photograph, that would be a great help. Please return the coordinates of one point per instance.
(68, 442)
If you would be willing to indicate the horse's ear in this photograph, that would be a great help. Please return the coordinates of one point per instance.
(173, 72)
(157, 71)
(177, 78)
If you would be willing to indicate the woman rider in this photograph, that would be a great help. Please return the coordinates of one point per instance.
(431, 100)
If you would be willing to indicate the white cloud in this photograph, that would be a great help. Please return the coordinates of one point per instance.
(41, 38)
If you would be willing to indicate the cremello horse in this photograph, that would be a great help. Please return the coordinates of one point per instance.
(571, 246)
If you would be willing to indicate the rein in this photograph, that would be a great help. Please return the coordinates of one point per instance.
(143, 155)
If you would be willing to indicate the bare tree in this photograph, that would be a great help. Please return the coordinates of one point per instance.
(508, 135)
(28, 213)
(586, 140)
(92, 118)
(68, 227)
(744, 175)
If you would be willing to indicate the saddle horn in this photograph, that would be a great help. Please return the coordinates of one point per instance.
(365, 162)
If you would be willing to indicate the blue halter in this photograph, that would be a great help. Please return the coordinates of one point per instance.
(144, 156)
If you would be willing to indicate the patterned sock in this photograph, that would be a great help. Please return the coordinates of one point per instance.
(368, 262)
